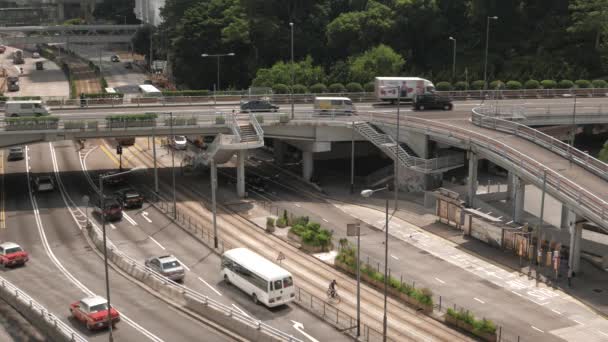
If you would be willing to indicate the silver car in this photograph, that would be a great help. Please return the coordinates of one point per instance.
(168, 266)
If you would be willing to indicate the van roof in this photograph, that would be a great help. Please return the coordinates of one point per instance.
(24, 101)
(332, 98)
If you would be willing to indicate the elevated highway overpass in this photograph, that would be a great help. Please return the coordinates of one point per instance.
(99, 34)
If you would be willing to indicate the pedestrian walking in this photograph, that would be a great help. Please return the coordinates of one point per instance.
(569, 277)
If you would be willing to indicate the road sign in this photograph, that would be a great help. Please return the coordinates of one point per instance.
(353, 229)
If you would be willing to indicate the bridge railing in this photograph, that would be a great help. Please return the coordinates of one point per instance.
(584, 160)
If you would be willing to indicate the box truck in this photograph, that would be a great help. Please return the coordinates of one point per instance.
(386, 88)
(18, 57)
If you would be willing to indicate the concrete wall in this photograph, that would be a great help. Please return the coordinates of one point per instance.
(342, 150)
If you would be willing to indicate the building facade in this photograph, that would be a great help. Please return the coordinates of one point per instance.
(148, 11)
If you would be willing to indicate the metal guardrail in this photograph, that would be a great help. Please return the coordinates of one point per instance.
(234, 126)
(256, 126)
(44, 314)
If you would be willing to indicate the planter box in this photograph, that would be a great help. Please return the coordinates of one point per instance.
(270, 228)
(144, 100)
(306, 247)
(469, 328)
(181, 122)
(127, 124)
(39, 127)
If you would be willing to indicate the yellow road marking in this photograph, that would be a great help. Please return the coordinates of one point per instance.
(109, 154)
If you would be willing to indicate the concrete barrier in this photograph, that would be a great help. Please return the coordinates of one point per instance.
(51, 326)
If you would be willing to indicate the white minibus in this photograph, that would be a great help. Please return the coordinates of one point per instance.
(263, 280)
(334, 105)
(26, 108)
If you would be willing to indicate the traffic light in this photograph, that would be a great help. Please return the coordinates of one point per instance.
(119, 149)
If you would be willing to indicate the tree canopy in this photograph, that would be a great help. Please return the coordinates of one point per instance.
(350, 40)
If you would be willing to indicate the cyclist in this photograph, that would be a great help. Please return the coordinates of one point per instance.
(332, 291)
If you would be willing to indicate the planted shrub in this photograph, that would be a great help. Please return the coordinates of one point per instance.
(280, 88)
(337, 88)
(370, 87)
(220, 120)
(548, 84)
(299, 89)
(565, 84)
(318, 88)
(461, 85)
(582, 84)
(477, 85)
(599, 83)
(281, 222)
(354, 87)
(444, 86)
(532, 84)
(483, 326)
(497, 84)
(174, 93)
(514, 85)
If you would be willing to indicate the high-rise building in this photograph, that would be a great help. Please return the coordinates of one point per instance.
(148, 11)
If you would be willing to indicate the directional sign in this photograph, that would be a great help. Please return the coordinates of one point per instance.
(300, 328)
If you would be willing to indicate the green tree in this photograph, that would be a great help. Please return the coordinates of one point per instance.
(604, 153)
(305, 73)
(379, 61)
(590, 16)
(117, 11)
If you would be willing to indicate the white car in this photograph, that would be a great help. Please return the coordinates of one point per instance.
(179, 142)
(35, 55)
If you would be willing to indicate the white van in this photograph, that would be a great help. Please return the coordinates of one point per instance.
(334, 105)
(26, 108)
(148, 90)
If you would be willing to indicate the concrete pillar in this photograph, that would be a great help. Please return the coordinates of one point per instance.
(307, 165)
(576, 234)
(510, 193)
(519, 195)
(472, 180)
(419, 143)
(240, 172)
(279, 152)
(565, 217)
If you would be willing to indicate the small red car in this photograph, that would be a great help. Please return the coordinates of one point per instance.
(93, 311)
(11, 254)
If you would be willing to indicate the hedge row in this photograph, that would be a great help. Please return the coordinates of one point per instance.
(479, 326)
(516, 85)
(320, 88)
(31, 120)
(104, 96)
(186, 93)
(132, 117)
(311, 232)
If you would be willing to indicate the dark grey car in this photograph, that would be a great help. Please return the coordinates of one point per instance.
(15, 153)
(258, 106)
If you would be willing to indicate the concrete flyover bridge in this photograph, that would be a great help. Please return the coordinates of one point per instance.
(100, 34)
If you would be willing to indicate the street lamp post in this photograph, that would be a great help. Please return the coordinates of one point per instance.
(105, 246)
(453, 59)
(398, 149)
(485, 67)
(218, 56)
(173, 168)
(292, 71)
(368, 193)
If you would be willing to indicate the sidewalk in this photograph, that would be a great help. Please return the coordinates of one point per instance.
(590, 286)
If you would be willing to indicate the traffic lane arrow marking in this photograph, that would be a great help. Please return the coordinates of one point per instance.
(300, 328)
(145, 216)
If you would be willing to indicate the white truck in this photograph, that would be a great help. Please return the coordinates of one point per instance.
(26, 108)
(386, 88)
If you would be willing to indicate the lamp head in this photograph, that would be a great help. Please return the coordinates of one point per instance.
(452, 38)
(494, 18)
(367, 193)
(231, 54)
(204, 55)
(291, 24)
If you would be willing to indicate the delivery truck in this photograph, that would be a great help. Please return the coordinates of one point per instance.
(18, 57)
(386, 88)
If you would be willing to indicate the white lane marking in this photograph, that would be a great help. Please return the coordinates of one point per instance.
(145, 216)
(535, 328)
(439, 280)
(603, 333)
(479, 300)
(394, 257)
(211, 287)
(241, 311)
(300, 328)
(298, 205)
(519, 294)
(578, 322)
(186, 267)
(131, 220)
(325, 220)
(156, 242)
(557, 312)
(112, 226)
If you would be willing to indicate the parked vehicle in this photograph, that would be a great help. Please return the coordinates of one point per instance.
(11, 254)
(263, 280)
(15, 153)
(93, 312)
(115, 58)
(148, 90)
(35, 55)
(129, 198)
(18, 57)
(258, 106)
(44, 184)
(179, 142)
(168, 266)
(334, 106)
(386, 88)
(112, 210)
(432, 101)
(26, 108)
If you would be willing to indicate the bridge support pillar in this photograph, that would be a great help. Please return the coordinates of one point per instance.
(576, 235)
(241, 155)
(518, 195)
(279, 152)
(472, 180)
(510, 193)
(307, 165)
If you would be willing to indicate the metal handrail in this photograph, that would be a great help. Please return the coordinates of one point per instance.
(256, 126)
(236, 130)
(41, 311)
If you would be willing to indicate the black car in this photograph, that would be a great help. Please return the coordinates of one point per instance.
(258, 106)
(15, 153)
(116, 180)
(129, 198)
(112, 209)
(432, 101)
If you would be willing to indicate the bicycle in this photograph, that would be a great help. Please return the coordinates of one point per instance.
(333, 295)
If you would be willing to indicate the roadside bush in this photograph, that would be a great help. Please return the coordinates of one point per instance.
(26, 98)
(444, 86)
(104, 96)
(532, 84)
(280, 88)
(477, 85)
(318, 88)
(337, 88)
(582, 84)
(565, 84)
(370, 87)
(354, 87)
(548, 84)
(311, 233)
(3, 98)
(461, 85)
(270, 221)
(599, 83)
(173, 93)
(299, 89)
(479, 326)
(300, 220)
(514, 85)
(281, 222)
(497, 84)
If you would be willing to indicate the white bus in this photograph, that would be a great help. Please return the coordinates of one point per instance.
(260, 278)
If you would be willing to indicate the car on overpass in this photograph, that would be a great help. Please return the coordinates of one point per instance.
(11, 254)
(432, 101)
(168, 266)
(115, 58)
(93, 312)
(258, 106)
(15, 153)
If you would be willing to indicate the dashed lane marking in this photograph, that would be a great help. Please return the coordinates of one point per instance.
(131, 220)
(439, 280)
(211, 287)
(325, 220)
(535, 328)
(186, 267)
(112, 226)
(578, 322)
(156, 242)
(479, 300)
(557, 312)
(603, 333)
